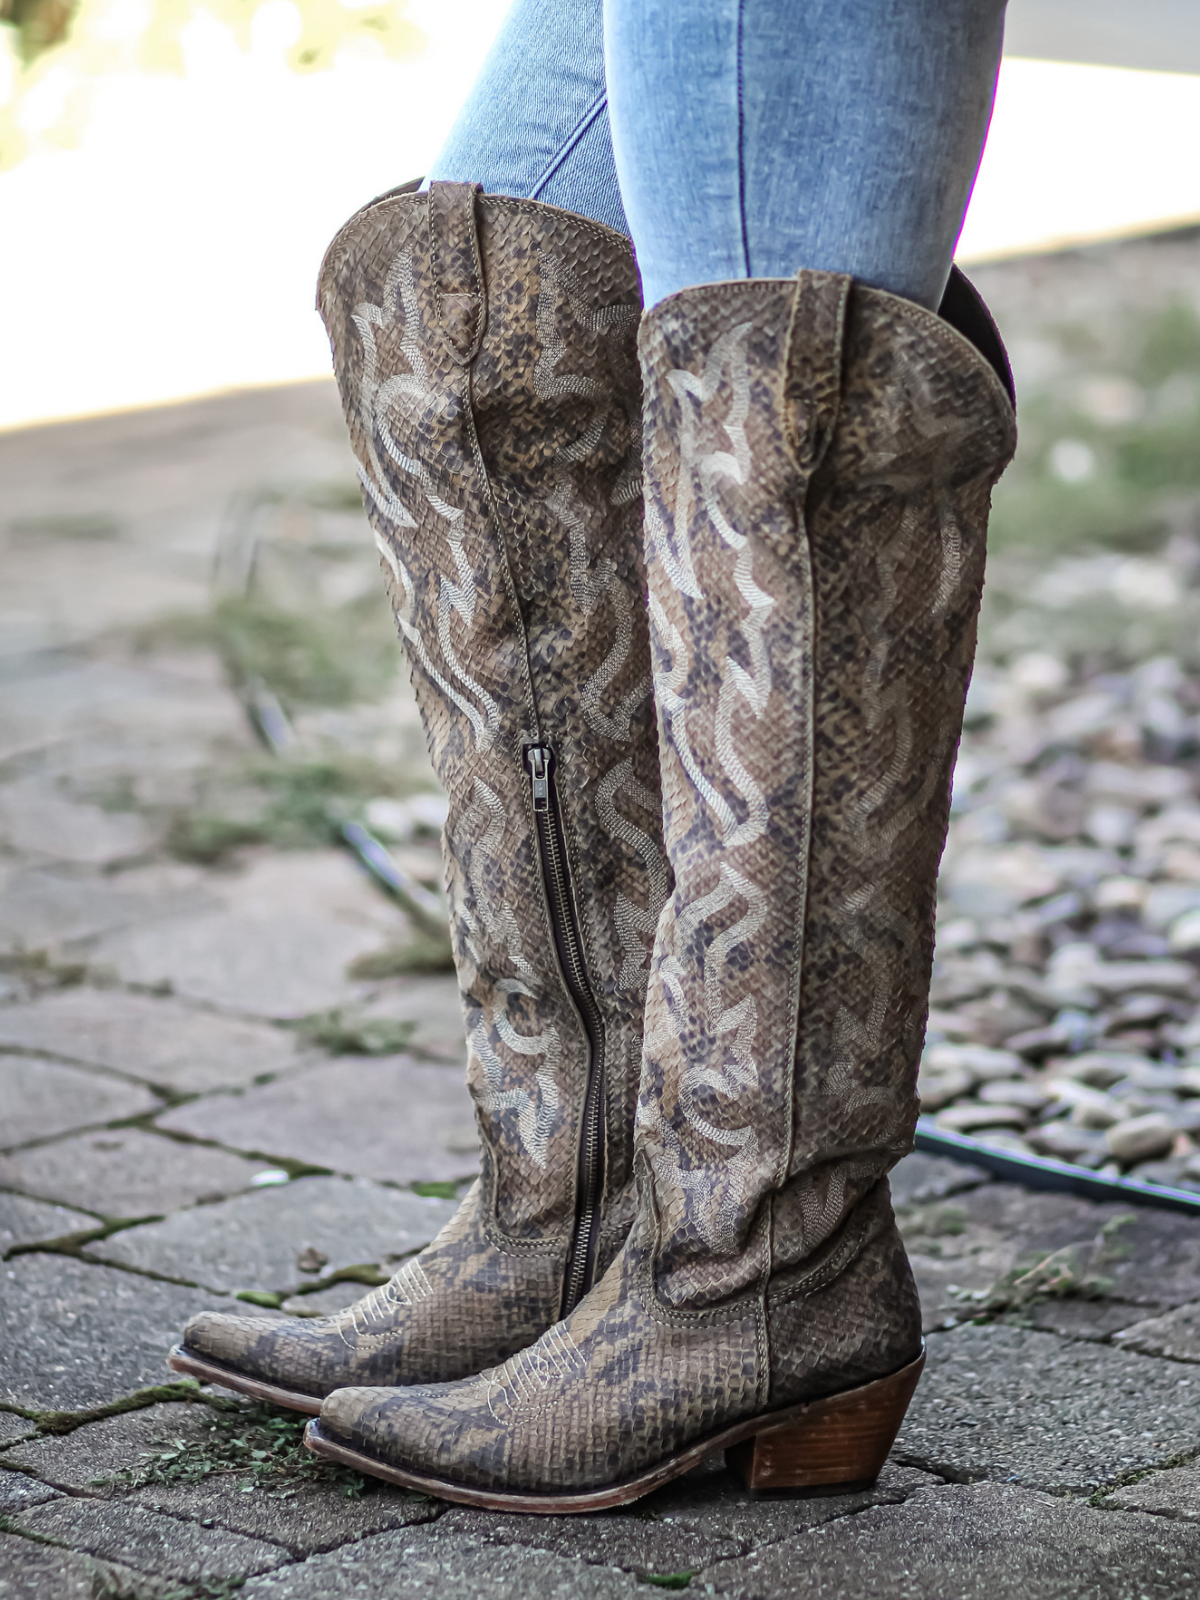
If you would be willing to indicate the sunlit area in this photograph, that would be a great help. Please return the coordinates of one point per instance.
(169, 190)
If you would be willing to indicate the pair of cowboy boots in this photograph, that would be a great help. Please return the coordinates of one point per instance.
(694, 969)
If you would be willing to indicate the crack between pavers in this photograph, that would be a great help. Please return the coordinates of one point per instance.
(115, 1126)
(114, 1588)
(297, 1559)
(97, 1069)
(57, 1422)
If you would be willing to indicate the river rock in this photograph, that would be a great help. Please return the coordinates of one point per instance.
(1140, 1138)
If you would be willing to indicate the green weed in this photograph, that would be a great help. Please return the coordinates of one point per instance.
(292, 803)
(436, 1189)
(1075, 1271)
(421, 955)
(261, 1447)
(344, 1032)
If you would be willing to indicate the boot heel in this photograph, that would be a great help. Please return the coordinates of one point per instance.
(842, 1439)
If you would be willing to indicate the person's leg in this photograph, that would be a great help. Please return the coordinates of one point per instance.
(756, 137)
(535, 124)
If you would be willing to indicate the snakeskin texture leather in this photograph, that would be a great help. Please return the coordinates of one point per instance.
(820, 458)
(485, 350)
(819, 462)
(615, 1387)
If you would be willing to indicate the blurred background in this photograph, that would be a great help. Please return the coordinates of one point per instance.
(171, 170)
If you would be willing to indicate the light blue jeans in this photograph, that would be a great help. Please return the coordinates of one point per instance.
(743, 138)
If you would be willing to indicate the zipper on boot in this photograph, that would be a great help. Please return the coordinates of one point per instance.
(568, 940)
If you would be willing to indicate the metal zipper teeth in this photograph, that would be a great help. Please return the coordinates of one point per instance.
(577, 1279)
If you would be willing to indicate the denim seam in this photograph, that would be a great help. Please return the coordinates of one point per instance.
(741, 137)
(569, 144)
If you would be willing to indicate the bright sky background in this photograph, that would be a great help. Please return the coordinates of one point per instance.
(175, 251)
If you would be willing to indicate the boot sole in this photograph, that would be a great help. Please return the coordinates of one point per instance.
(181, 1359)
(839, 1441)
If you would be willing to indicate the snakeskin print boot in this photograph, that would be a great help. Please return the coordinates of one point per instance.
(486, 354)
(820, 458)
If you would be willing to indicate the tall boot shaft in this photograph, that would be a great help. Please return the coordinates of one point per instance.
(819, 461)
(485, 352)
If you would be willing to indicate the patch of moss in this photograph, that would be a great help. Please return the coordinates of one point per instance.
(436, 1189)
(346, 1032)
(422, 954)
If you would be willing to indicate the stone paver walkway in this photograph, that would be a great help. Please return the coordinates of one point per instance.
(230, 1075)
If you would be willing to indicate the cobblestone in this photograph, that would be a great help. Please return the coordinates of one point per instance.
(393, 1119)
(278, 945)
(74, 1336)
(988, 1542)
(44, 1098)
(24, 1222)
(165, 1044)
(254, 1241)
(418, 1565)
(148, 1542)
(127, 1172)
(1026, 1407)
(33, 1571)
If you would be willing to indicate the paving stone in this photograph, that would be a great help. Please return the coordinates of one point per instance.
(74, 1335)
(388, 1117)
(999, 1224)
(42, 910)
(610, 1539)
(252, 1241)
(324, 1302)
(1176, 1335)
(25, 1221)
(95, 698)
(713, 1501)
(1161, 1265)
(158, 1040)
(17, 1489)
(13, 1427)
(33, 1571)
(305, 1518)
(1027, 1407)
(417, 1564)
(163, 1546)
(918, 1177)
(277, 946)
(1165, 1494)
(88, 1460)
(42, 1098)
(127, 1172)
(434, 1005)
(37, 820)
(986, 1542)
(1086, 1319)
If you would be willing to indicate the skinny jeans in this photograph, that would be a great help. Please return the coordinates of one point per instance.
(743, 138)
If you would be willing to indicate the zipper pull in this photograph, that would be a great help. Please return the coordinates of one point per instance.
(539, 766)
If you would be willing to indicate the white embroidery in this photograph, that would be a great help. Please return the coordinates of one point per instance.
(380, 402)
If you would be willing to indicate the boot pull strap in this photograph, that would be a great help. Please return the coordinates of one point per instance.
(457, 273)
(813, 370)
